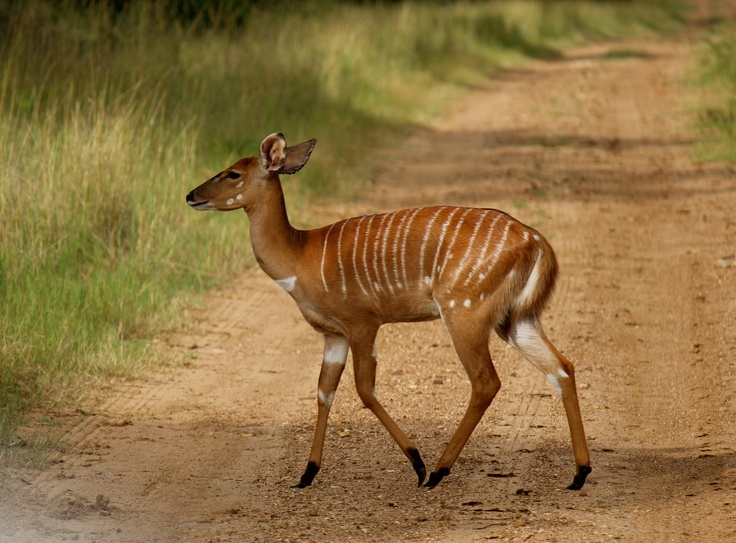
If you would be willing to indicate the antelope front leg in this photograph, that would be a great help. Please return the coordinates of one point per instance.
(364, 362)
(333, 362)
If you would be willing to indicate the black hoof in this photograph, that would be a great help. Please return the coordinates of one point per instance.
(579, 479)
(436, 476)
(308, 476)
(418, 465)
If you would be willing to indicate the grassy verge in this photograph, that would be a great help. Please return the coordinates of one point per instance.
(716, 74)
(108, 117)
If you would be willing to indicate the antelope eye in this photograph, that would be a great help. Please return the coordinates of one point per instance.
(233, 175)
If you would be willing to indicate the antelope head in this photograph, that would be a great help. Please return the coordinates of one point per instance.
(239, 185)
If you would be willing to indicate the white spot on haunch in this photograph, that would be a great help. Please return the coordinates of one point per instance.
(452, 303)
(240, 197)
(466, 303)
(239, 185)
(287, 284)
(230, 201)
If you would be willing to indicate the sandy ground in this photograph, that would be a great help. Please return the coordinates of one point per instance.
(594, 151)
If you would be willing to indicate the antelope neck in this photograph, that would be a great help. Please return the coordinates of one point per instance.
(276, 244)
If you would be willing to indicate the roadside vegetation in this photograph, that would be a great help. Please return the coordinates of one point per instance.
(111, 112)
(716, 74)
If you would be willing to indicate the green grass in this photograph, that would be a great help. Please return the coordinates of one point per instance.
(108, 118)
(716, 75)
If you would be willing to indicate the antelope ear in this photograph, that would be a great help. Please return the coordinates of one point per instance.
(273, 152)
(297, 156)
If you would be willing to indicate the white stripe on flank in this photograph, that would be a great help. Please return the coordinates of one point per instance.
(375, 253)
(445, 225)
(407, 229)
(427, 234)
(324, 254)
(531, 283)
(395, 259)
(448, 252)
(365, 254)
(469, 248)
(339, 259)
(287, 284)
(482, 256)
(386, 235)
(501, 245)
(499, 248)
(355, 252)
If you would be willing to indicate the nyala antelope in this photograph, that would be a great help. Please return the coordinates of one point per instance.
(476, 269)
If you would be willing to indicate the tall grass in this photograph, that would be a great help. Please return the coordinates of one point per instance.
(108, 117)
(716, 73)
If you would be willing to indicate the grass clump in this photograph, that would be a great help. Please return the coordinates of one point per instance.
(111, 112)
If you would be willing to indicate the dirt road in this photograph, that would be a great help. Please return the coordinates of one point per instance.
(594, 151)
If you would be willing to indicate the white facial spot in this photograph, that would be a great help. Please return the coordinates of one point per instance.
(230, 201)
(287, 284)
(336, 353)
(466, 303)
(326, 399)
(452, 303)
(240, 197)
(239, 185)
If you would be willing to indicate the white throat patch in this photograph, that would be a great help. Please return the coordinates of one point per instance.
(287, 284)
